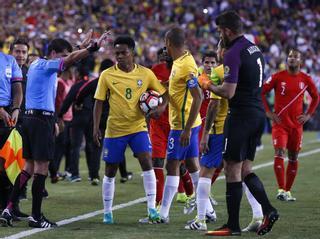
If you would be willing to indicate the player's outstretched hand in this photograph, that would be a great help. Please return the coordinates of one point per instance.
(204, 83)
(87, 39)
(274, 117)
(105, 37)
(302, 119)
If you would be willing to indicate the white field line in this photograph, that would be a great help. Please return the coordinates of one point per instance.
(124, 205)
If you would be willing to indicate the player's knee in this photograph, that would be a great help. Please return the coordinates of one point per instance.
(111, 170)
(172, 167)
(183, 169)
(293, 156)
(158, 162)
(280, 152)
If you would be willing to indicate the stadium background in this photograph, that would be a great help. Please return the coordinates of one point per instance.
(275, 26)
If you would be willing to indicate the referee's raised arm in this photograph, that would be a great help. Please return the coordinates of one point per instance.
(87, 47)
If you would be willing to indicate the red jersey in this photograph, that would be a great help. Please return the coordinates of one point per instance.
(162, 73)
(289, 94)
(206, 100)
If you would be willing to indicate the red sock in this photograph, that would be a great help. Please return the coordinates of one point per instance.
(292, 170)
(160, 184)
(180, 187)
(216, 174)
(278, 168)
(187, 183)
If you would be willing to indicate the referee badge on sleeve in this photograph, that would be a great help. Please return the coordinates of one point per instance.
(8, 72)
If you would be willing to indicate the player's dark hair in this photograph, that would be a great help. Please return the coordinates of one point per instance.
(231, 20)
(209, 53)
(105, 64)
(125, 40)
(176, 36)
(294, 50)
(20, 41)
(59, 45)
(160, 51)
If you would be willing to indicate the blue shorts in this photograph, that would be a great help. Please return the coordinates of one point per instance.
(213, 158)
(114, 148)
(176, 152)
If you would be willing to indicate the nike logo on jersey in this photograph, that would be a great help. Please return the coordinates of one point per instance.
(115, 82)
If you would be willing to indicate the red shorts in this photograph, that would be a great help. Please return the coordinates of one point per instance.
(159, 138)
(287, 138)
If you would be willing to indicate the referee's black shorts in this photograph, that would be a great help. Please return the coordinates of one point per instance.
(241, 137)
(38, 137)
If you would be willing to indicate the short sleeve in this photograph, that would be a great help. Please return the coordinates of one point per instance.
(102, 88)
(231, 64)
(155, 84)
(190, 68)
(214, 96)
(16, 71)
(54, 64)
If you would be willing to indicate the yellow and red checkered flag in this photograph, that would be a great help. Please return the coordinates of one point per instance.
(12, 154)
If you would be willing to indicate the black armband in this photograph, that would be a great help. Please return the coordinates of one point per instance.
(16, 108)
(93, 48)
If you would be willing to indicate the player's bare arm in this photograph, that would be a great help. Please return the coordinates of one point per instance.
(313, 92)
(89, 46)
(197, 96)
(210, 117)
(97, 111)
(16, 102)
(226, 90)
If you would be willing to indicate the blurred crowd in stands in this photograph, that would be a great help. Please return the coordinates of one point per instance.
(275, 25)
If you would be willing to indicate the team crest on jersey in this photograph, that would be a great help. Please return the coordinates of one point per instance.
(139, 83)
(301, 85)
(226, 70)
(173, 73)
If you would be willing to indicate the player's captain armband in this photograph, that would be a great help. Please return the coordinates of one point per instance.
(193, 82)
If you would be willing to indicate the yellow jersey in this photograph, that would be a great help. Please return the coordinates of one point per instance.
(180, 99)
(123, 90)
(218, 125)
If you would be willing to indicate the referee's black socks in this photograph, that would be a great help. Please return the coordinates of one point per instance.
(233, 198)
(37, 194)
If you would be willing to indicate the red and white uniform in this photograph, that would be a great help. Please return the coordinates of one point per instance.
(204, 107)
(160, 128)
(289, 94)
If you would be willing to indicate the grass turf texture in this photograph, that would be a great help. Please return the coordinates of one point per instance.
(298, 219)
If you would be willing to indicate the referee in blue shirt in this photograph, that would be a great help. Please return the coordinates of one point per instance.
(38, 127)
(10, 95)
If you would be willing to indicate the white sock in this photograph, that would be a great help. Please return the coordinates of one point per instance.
(108, 186)
(149, 183)
(203, 201)
(195, 179)
(255, 206)
(170, 189)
